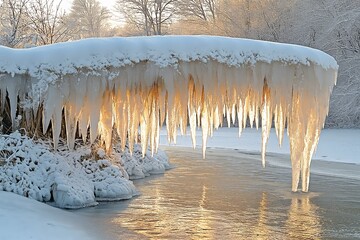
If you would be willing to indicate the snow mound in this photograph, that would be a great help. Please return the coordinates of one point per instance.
(23, 219)
(139, 167)
(69, 179)
(33, 171)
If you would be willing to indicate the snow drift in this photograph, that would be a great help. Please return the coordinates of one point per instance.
(124, 83)
(72, 179)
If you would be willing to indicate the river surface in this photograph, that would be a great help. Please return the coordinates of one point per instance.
(229, 195)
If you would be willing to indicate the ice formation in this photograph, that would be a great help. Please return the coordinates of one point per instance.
(124, 83)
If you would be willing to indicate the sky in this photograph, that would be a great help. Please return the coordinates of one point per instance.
(107, 3)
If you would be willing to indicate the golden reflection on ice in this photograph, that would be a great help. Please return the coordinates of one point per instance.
(220, 202)
(262, 230)
(205, 225)
(163, 220)
(303, 220)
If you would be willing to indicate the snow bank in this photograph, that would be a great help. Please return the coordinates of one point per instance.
(22, 219)
(124, 83)
(70, 179)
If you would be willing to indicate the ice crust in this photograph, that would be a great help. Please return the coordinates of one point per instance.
(124, 83)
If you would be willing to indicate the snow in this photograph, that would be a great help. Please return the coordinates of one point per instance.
(71, 179)
(98, 53)
(123, 83)
(23, 218)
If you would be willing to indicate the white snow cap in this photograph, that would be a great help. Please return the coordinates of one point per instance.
(124, 83)
(98, 53)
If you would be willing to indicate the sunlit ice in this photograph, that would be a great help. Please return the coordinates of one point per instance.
(97, 87)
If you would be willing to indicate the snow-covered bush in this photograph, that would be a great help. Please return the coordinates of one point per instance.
(33, 170)
(71, 179)
(138, 167)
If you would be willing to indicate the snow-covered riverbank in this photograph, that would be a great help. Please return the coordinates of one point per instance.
(23, 219)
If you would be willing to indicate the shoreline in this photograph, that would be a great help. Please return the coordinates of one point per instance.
(318, 166)
(335, 145)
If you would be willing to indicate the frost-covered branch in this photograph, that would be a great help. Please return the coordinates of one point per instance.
(46, 19)
(14, 23)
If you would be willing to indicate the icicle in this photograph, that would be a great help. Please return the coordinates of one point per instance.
(246, 109)
(192, 111)
(240, 116)
(205, 127)
(154, 121)
(94, 98)
(228, 116)
(216, 117)
(70, 123)
(105, 124)
(233, 113)
(53, 106)
(12, 88)
(192, 118)
(266, 120)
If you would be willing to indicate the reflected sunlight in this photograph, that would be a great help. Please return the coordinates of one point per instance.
(303, 220)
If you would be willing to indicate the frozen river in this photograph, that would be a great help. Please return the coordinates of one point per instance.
(230, 196)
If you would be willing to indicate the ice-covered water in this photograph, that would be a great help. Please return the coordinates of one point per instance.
(228, 196)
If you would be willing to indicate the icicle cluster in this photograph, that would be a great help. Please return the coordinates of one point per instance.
(180, 91)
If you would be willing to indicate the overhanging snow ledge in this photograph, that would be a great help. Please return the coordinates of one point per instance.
(123, 83)
(163, 51)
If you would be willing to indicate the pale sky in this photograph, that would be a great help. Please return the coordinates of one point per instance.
(107, 3)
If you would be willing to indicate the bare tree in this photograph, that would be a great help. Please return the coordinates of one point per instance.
(13, 23)
(273, 20)
(204, 10)
(149, 16)
(47, 21)
(90, 18)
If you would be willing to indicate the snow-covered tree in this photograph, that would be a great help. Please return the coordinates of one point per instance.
(205, 10)
(47, 21)
(14, 24)
(89, 17)
(148, 16)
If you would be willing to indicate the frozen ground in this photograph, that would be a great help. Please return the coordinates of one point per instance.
(22, 218)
